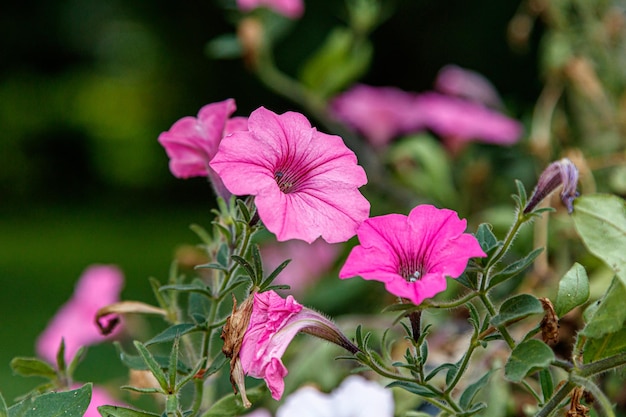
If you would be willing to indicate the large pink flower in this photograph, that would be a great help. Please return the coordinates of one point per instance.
(192, 142)
(273, 324)
(462, 120)
(305, 182)
(292, 9)
(412, 255)
(99, 286)
(379, 113)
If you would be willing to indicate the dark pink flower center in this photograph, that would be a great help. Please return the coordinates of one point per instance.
(412, 268)
(290, 180)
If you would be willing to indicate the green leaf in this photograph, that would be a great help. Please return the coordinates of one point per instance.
(246, 266)
(54, 404)
(486, 238)
(271, 277)
(514, 268)
(609, 345)
(173, 332)
(33, 367)
(470, 392)
(225, 46)
(573, 290)
(414, 388)
(600, 220)
(517, 308)
(115, 411)
(610, 314)
(340, 61)
(152, 364)
(547, 384)
(231, 404)
(527, 357)
(194, 287)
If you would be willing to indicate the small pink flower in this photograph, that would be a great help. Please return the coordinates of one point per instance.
(461, 120)
(379, 113)
(356, 396)
(456, 81)
(412, 255)
(273, 324)
(99, 286)
(308, 261)
(192, 142)
(292, 9)
(305, 182)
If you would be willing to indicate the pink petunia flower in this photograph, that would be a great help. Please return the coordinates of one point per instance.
(456, 81)
(306, 182)
(273, 323)
(412, 255)
(99, 286)
(356, 396)
(292, 9)
(192, 142)
(308, 261)
(379, 113)
(459, 120)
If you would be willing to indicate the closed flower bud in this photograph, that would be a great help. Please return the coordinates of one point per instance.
(558, 173)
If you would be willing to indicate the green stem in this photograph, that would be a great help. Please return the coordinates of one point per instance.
(198, 394)
(492, 312)
(532, 391)
(450, 304)
(602, 365)
(551, 406)
(464, 363)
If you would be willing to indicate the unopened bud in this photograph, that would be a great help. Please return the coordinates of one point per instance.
(558, 173)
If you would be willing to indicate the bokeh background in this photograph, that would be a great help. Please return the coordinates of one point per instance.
(86, 86)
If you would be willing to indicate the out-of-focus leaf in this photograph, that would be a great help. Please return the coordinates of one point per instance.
(517, 308)
(54, 404)
(600, 220)
(573, 290)
(527, 357)
(226, 46)
(172, 332)
(423, 164)
(340, 61)
(610, 314)
(33, 367)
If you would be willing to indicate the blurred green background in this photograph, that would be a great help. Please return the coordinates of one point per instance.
(86, 86)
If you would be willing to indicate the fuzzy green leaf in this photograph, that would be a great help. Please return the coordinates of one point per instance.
(231, 404)
(413, 388)
(600, 220)
(515, 268)
(114, 411)
(173, 332)
(610, 314)
(527, 357)
(517, 308)
(486, 238)
(573, 290)
(54, 404)
(470, 392)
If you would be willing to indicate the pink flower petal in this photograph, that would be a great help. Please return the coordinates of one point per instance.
(100, 285)
(412, 255)
(292, 9)
(305, 182)
(456, 81)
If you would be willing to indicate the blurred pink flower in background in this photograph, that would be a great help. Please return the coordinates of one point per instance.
(306, 183)
(379, 113)
(461, 115)
(99, 285)
(274, 322)
(100, 396)
(412, 255)
(460, 120)
(308, 261)
(292, 9)
(456, 81)
(356, 396)
(192, 142)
